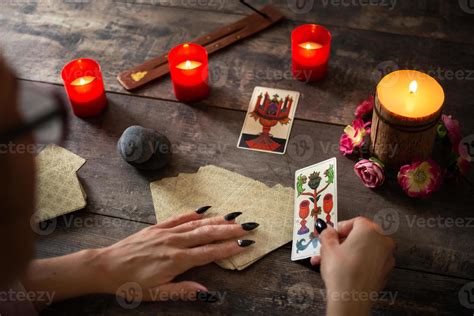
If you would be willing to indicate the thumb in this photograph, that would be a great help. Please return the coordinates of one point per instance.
(178, 291)
(329, 237)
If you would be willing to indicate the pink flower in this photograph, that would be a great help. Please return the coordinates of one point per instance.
(365, 108)
(463, 165)
(353, 136)
(420, 179)
(453, 129)
(370, 172)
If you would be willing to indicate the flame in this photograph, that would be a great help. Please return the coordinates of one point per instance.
(189, 64)
(82, 81)
(413, 87)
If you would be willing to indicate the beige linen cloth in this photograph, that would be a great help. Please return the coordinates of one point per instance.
(58, 190)
(228, 192)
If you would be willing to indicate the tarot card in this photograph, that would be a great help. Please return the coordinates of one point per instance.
(315, 197)
(269, 119)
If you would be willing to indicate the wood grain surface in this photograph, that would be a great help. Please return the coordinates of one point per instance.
(434, 260)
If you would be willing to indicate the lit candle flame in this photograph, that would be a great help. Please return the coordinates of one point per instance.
(188, 65)
(310, 45)
(82, 81)
(413, 86)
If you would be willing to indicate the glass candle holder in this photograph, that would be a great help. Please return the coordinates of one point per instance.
(310, 48)
(189, 72)
(85, 87)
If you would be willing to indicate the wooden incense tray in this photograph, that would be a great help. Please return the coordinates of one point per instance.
(158, 67)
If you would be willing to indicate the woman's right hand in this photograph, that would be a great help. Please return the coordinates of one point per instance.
(355, 264)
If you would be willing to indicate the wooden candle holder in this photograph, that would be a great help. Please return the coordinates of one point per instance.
(397, 140)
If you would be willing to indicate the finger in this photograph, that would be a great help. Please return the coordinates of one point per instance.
(316, 260)
(209, 234)
(345, 227)
(179, 291)
(212, 252)
(387, 269)
(189, 226)
(179, 220)
(329, 237)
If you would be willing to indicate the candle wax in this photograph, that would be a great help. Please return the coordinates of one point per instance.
(410, 93)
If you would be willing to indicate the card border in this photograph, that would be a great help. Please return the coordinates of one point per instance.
(294, 258)
(298, 94)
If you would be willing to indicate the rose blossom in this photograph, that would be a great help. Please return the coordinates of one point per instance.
(420, 179)
(453, 129)
(353, 136)
(365, 108)
(370, 172)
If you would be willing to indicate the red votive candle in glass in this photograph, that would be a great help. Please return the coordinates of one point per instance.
(189, 72)
(310, 47)
(85, 87)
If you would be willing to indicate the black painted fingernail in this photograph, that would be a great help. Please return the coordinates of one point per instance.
(203, 209)
(320, 225)
(232, 216)
(245, 242)
(206, 297)
(249, 226)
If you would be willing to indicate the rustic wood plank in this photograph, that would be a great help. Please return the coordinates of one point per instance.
(446, 20)
(50, 35)
(204, 136)
(284, 287)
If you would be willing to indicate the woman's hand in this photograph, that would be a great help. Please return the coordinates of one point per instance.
(154, 256)
(151, 258)
(355, 264)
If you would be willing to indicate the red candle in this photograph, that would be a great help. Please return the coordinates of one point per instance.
(310, 47)
(189, 72)
(85, 87)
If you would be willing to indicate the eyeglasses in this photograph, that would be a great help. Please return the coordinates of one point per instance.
(43, 113)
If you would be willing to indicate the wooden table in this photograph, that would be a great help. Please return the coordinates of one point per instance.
(433, 261)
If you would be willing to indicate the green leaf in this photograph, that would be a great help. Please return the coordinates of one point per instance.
(311, 199)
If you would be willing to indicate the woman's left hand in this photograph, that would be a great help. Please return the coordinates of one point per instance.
(154, 256)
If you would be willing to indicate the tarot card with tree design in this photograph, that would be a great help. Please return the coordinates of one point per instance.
(315, 197)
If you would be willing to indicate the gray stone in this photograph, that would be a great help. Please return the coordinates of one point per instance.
(144, 148)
